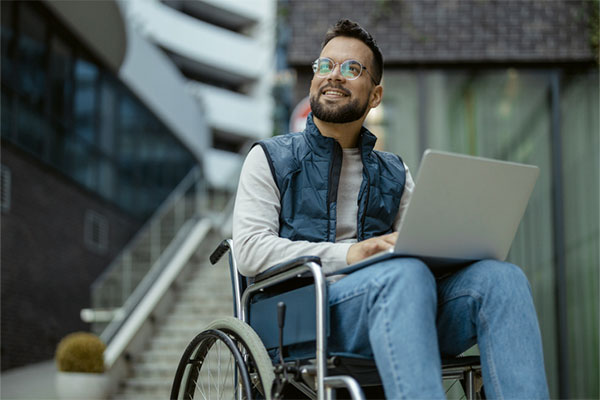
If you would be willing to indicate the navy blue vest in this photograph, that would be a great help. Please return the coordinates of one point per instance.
(306, 167)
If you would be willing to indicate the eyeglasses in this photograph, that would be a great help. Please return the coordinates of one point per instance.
(350, 69)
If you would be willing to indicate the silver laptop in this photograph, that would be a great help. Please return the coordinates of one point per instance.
(463, 208)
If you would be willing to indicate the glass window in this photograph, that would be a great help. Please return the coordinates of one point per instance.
(31, 128)
(32, 53)
(502, 114)
(401, 114)
(61, 84)
(8, 36)
(80, 162)
(580, 144)
(6, 112)
(85, 101)
(107, 129)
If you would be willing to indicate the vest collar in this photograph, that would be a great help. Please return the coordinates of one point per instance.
(322, 144)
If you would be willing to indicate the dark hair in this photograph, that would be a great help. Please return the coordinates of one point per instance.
(345, 27)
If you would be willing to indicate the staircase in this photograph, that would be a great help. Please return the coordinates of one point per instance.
(205, 296)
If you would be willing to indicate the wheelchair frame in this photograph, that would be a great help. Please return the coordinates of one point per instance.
(465, 369)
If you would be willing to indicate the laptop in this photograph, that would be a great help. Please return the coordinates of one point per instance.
(462, 209)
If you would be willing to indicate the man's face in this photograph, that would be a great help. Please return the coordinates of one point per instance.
(334, 98)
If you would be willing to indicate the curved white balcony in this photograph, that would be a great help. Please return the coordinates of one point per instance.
(222, 169)
(149, 73)
(233, 112)
(213, 48)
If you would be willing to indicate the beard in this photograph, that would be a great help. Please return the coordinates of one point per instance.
(337, 114)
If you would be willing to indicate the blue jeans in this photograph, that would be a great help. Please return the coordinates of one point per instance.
(398, 313)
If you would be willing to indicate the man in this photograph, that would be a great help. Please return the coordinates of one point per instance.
(326, 192)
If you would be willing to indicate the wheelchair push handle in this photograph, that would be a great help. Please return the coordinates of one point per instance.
(221, 249)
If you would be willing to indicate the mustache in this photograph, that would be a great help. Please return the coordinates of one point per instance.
(336, 87)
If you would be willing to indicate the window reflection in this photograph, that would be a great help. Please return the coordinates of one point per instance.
(31, 52)
(8, 36)
(86, 77)
(61, 86)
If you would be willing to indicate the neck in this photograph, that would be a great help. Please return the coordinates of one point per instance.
(346, 134)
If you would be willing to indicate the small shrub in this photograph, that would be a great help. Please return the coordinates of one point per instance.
(80, 352)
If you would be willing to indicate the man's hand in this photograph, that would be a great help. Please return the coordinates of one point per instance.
(366, 248)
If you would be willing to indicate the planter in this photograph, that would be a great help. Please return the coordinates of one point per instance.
(82, 386)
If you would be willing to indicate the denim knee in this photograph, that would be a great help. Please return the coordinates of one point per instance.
(501, 278)
(403, 269)
(408, 275)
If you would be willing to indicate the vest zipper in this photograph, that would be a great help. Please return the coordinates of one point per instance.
(335, 169)
(361, 230)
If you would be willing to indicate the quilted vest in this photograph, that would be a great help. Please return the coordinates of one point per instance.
(306, 167)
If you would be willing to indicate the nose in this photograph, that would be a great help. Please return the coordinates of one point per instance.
(336, 73)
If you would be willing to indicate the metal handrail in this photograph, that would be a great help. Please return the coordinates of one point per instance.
(144, 286)
(120, 288)
(185, 184)
(128, 328)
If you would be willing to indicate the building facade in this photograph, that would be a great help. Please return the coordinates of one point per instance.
(509, 80)
(91, 146)
(106, 107)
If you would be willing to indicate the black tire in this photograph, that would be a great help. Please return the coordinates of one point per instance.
(222, 361)
(211, 367)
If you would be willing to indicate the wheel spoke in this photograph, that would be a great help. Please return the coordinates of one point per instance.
(236, 375)
(198, 386)
(219, 395)
(229, 364)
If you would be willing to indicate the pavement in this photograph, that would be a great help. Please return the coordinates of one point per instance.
(32, 382)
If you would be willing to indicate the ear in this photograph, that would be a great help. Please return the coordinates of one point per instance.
(376, 96)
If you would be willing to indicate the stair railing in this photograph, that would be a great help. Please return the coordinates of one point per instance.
(119, 288)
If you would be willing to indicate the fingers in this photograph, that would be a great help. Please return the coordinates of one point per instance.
(380, 243)
(367, 248)
(390, 238)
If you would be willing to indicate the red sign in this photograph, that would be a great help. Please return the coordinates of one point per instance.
(298, 118)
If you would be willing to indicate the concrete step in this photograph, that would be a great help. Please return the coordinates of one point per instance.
(198, 308)
(135, 395)
(167, 370)
(151, 388)
(156, 356)
(202, 298)
(147, 386)
(185, 333)
(150, 385)
(169, 344)
(155, 371)
(191, 321)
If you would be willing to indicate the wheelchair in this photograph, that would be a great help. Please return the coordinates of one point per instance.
(275, 345)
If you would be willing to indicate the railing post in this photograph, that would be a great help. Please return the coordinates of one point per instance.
(154, 241)
(200, 197)
(126, 285)
(179, 212)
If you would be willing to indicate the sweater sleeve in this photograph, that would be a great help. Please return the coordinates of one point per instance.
(256, 238)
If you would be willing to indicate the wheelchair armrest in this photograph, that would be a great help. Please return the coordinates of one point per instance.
(285, 266)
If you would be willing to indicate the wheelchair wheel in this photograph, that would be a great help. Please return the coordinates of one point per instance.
(226, 361)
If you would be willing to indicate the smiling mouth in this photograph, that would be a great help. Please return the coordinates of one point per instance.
(334, 93)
